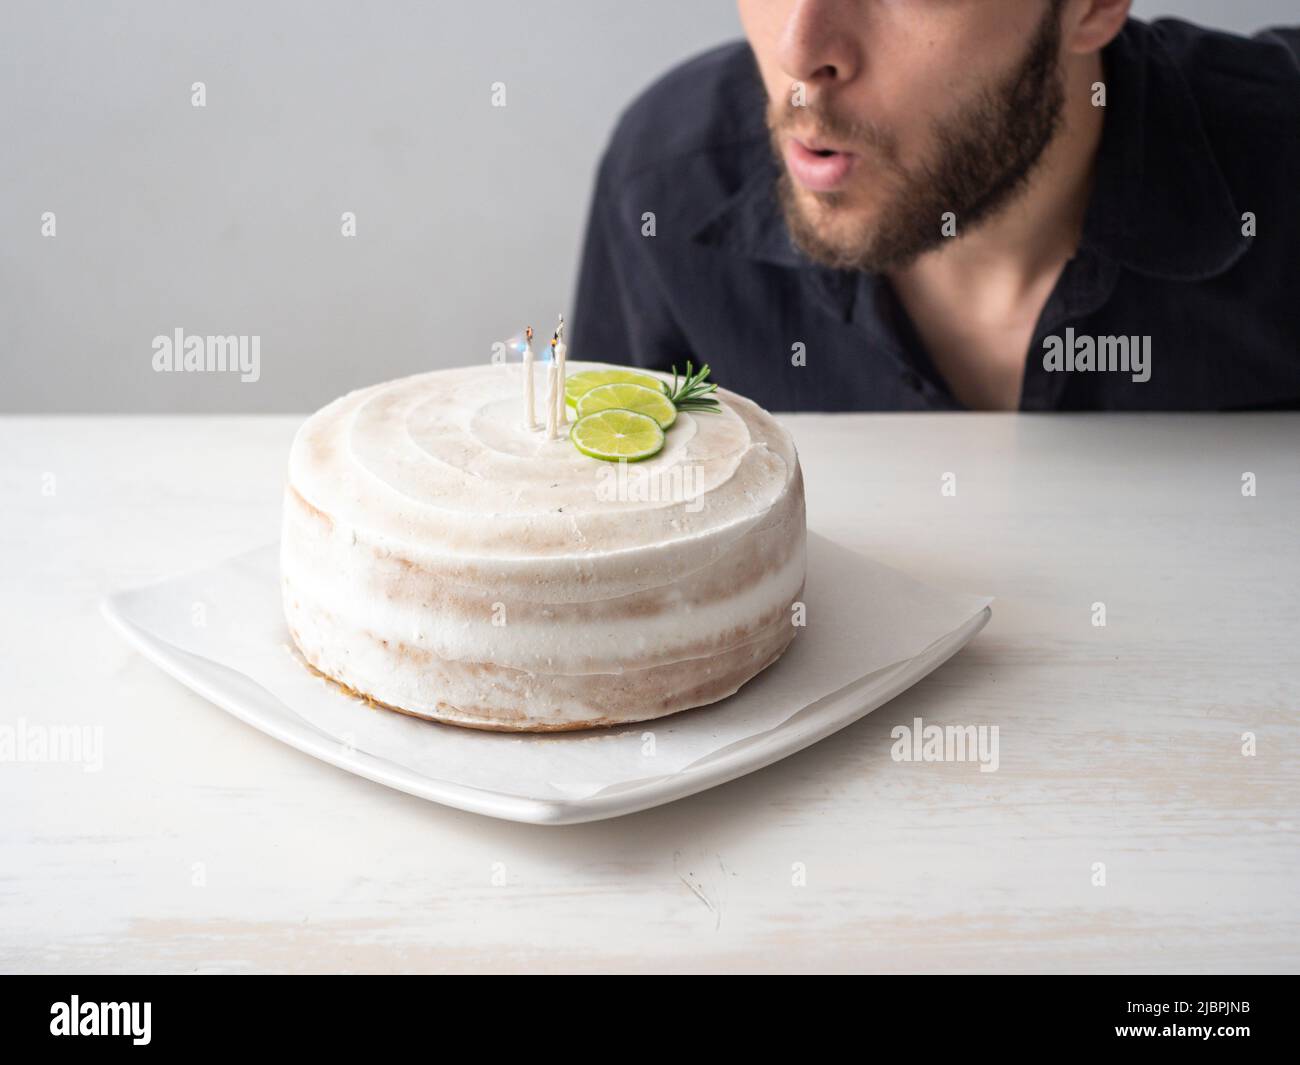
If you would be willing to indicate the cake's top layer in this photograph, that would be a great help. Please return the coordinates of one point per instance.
(441, 464)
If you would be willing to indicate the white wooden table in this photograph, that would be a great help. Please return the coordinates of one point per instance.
(204, 845)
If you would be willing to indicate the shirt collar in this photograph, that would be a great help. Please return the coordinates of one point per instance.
(750, 222)
(1160, 204)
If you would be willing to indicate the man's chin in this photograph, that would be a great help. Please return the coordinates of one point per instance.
(830, 228)
(844, 232)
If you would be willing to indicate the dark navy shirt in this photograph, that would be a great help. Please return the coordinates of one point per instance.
(1201, 132)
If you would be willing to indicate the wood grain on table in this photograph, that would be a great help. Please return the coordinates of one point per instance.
(203, 845)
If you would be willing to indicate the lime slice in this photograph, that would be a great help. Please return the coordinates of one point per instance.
(579, 384)
(617, 434)
(651, 401)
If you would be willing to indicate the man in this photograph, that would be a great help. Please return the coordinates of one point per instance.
(959, 204)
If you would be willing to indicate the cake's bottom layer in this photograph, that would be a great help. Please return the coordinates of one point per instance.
(485, 696)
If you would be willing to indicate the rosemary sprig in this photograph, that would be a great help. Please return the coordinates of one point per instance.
(694, 392)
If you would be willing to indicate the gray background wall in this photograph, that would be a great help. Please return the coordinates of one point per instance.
(226, 219)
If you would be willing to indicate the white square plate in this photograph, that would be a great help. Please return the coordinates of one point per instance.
(561, 778)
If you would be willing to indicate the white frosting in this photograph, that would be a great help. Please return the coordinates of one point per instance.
(422, 514)
(443, 460)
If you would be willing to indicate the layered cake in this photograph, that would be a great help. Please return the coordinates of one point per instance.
(443, 558)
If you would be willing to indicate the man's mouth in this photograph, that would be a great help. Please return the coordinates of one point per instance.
(816, 165)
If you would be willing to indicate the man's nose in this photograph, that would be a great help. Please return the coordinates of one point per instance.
(818, 44)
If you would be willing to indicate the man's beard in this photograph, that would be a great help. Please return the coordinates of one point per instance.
(982, 159)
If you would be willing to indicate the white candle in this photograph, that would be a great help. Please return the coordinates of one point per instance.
(562, 407)
(551, 377)
(530, 414)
